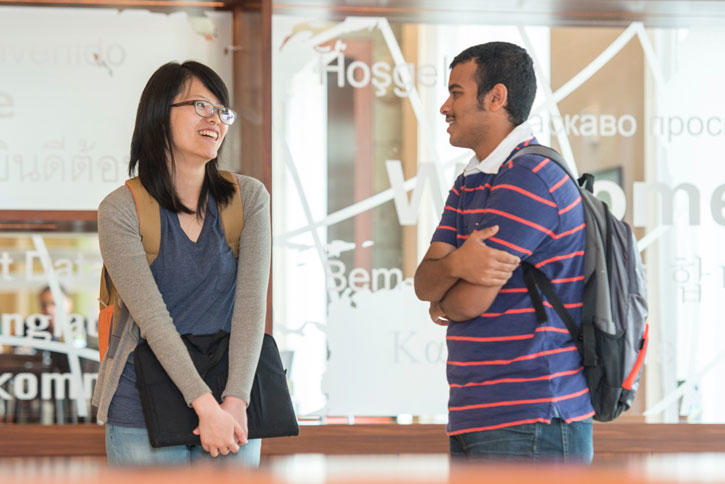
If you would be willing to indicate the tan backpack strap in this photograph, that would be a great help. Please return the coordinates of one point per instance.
(232, 215)
(149, 228)
(149, 218)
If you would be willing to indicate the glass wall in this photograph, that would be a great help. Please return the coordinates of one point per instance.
(70, 83)
(362, 164)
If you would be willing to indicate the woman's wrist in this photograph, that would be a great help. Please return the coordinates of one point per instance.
(235, 401)
(204, 404)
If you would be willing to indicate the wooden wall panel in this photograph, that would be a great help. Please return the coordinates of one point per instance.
(51, 440)
(610, 439)
(252, 64)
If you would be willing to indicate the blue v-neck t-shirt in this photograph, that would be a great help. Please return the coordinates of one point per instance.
(197, 281)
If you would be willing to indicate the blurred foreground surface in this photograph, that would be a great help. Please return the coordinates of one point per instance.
(430, 468)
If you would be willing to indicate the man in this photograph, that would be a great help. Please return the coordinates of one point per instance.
(517, 388)
(47, 307)
(60, 410)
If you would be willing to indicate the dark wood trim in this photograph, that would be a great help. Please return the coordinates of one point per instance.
(251, 5)
(266, 42)
(46, 215)
(670, 13)
(252, 67)
(154, 5)
(610, 439)
(266, 52)
(639, 438)
(51, 440)
(119, 3)
(392, 11)
(361, 439)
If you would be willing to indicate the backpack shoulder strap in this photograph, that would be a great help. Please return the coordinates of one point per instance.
(536, 281)
(546, 152)
(149, 223)
(232, 214)
(149, 218)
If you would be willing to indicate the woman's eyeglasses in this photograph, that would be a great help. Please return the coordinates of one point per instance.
(205, 109)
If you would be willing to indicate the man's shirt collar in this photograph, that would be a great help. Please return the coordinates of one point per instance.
(495, 159)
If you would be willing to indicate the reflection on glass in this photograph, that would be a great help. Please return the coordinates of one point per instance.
(48, 327)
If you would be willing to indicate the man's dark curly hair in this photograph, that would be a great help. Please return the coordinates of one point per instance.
(508, 64)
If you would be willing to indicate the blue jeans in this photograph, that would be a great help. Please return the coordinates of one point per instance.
(129, 446)
(558, 441)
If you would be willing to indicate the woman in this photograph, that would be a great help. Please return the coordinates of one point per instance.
(194, 286)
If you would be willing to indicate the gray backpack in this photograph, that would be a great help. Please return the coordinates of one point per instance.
(612, 338)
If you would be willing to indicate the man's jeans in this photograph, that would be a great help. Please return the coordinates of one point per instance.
(127, 446)
(538, 442)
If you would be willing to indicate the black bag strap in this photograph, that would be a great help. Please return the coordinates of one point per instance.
(534, 294)
(536, 280)
(587, 181)
(539, 282)
(533, 277)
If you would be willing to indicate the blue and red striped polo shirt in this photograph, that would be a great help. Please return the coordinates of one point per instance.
(504, 368)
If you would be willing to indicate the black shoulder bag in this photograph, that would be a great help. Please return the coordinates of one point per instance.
(170, 421)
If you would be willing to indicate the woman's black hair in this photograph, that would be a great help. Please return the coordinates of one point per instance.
(151, 144)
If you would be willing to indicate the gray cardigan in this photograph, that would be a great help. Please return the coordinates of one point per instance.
(143, 311)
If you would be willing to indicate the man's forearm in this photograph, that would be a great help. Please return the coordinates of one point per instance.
(433, 278)
(444, 265)
(466, 301)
